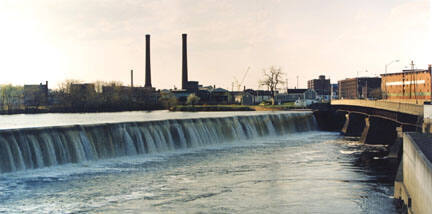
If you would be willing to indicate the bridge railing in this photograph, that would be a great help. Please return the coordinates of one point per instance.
(408, 108)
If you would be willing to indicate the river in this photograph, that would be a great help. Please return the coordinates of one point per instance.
(227, 162)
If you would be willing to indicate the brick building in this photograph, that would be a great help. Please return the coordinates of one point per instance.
(36, 95)
(360, 88)
(320, 85)
(413, 84)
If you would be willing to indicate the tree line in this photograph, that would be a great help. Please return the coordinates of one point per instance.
(74, 96)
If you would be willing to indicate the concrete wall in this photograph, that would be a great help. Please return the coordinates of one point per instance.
(427, 108)
(417, 177)
(427, 120)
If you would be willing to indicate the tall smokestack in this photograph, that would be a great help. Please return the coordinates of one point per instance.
(131, 78)
(430, 68)
(148, 67)
(184, 60)
(46, 91)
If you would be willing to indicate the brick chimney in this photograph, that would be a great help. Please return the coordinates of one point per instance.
(430, 68)
(184, 62)
(148, 67)
(131, 78)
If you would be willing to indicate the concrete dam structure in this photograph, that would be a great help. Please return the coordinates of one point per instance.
(31, 148)
(400, 126)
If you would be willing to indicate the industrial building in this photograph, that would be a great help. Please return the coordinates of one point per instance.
(413, 84)
(36, 95)
(320, 85)
(360, 88)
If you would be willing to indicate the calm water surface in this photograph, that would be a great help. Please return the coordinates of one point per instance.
(308, 172)
(57, 119)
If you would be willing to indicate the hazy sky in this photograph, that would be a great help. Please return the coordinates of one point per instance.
(102, 40)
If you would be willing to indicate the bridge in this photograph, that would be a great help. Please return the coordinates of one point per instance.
(383, 122)
(378, 121)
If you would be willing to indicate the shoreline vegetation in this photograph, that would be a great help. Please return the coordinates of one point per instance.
(188, 108)
(43, 109)
(193, 108)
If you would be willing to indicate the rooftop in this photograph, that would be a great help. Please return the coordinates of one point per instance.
(297, 91)
(406, 71)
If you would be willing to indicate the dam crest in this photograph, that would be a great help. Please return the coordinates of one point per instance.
(31, 148)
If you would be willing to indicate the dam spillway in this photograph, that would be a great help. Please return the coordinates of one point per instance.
(31, 148)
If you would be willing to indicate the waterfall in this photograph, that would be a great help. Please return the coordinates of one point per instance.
(30, 148)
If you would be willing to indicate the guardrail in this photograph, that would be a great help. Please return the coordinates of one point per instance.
(407, 108)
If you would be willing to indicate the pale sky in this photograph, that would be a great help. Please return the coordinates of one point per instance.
(94, 40)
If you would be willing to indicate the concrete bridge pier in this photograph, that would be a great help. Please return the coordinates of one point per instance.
(409, 128)
(354, 125)
(378, 131)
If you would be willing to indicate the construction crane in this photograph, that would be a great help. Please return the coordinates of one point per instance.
(243, 79)
(238, 84)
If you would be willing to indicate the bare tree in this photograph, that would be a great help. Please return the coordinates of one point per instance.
(115, 83)
(65, 86)
(272, 78)
(11, 96)
(99, 85)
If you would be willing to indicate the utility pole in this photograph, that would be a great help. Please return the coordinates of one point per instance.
(385, 83)
(403, 86)
(297, 82)
(415, 80)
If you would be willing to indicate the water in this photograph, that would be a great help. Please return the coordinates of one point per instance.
(287, 167)
(56, 119)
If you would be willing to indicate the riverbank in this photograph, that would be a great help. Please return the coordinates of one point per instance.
(186, 108)
(234, 108)
(43, 110)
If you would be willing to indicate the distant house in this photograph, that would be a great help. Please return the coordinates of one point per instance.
(181, 95)
(293, 95)
(247, 98)
(219, 96)
(254, 97)
(236, 97)
(308, 94)
(36, 95)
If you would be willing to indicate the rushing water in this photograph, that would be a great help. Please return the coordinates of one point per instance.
(252, 163)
